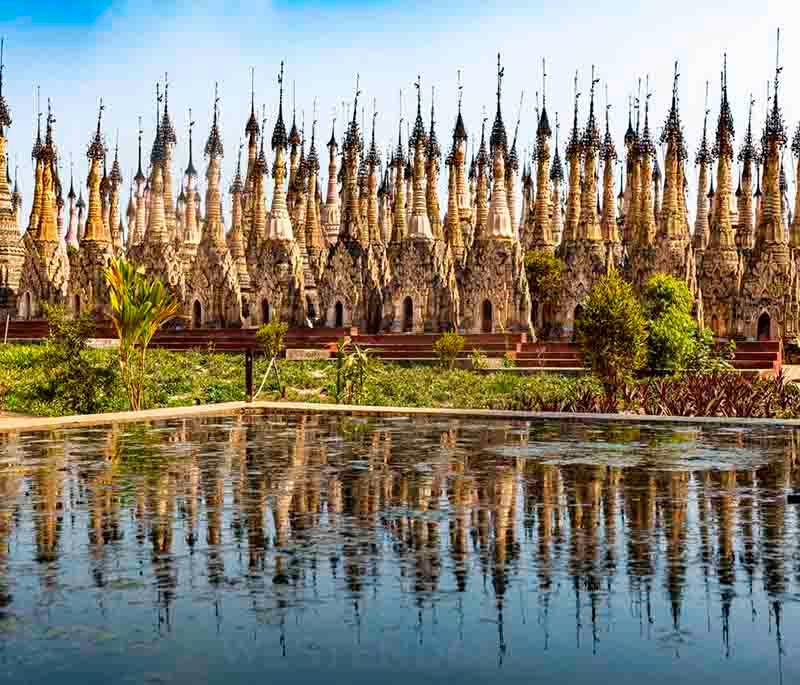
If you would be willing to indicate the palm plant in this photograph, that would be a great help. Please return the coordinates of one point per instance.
(139, 307)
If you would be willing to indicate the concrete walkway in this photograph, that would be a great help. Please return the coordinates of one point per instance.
(24, 423)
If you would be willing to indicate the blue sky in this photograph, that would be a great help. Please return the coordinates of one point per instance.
(79, 51)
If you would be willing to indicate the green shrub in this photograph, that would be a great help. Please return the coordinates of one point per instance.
(478, 359)
(612, 332)
(545, 273)
(672, 331)
(271, 338)
(448, 347)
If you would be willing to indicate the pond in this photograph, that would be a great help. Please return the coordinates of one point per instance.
(308, 548)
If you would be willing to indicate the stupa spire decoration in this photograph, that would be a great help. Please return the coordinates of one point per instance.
(770, 229)
(236, 234)
(45, 229)
(214, 231)
(541, 233)
(115, 183)
(420, 226)
(433, 154)
(722, 233)
(459, 154)
(745, 233)
(280, 226)
(332, 216)
(512, 167)
(6, 202)
(191, 234)
(71, 238)
(556, 179)
(352, 148)
(646, 151)
(482, 187)
(672, 223)
(590, 145)
(96, 230)
(499, 220)
(608, 154)
(399, 223)
(314, 240)
(373, 161)
(573, 154)
(137, 233)
(703, 160)
(258, 229)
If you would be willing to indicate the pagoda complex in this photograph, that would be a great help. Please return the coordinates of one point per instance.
(415, 238)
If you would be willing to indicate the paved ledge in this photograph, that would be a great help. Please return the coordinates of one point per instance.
(14, 424)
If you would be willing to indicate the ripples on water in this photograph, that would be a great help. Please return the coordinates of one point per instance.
(346, 550)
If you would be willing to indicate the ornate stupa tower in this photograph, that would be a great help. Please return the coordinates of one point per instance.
(191, 231)
(45, 272)
(433, 157)
(136, 233)
(114, 219)
(169, 139)
(608, 221)
(252, 131)
(330, 216)
(748, 155)
(12, 252)
(794, 229)
(420, 293)
(87, 290)
(315, 242)
(494, 292)
(768, 304)
(71, 238)
(586, 256)
(235, 238)
(702, 221)
(673, 249)
(556, 180)
(157, 252)
(721, 273)
(213, 296)
(275, 262)
(538, 234)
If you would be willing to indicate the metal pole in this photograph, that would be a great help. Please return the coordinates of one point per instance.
(248, 375)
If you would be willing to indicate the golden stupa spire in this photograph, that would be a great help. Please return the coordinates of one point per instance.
(373, 162)
(722, 233)
(499, 221)
(280, 225)
(770, 228)
(745, 232)
(96, 230)
(169, 139)
(6, 202)
(608, 155)
(213, 229)
(512, 167)
(236, 234)
(314, 240)
(115, 182)
(573, 154)
(482, 187)
(420, 225)
(540, 234)
(191, 233)
(556, 179)
(459, 159)
(433, 154)
(702, 160)
(671, 219)
(399, 224)
(589, 228)
(46, 228)
(646, 151)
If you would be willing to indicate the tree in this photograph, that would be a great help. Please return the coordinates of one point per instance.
(612, 332)
(448, 346)
(673, 333)
(139, 307)
(271, 338)
(545, 275)
(72, 379)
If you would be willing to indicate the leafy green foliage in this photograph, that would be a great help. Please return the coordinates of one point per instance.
(448, 346)
(139, 307)
(71, 380)
(545, 273)
(478, 359)
(612, 332)
(271, 338)
(352, 370)
(673, 337)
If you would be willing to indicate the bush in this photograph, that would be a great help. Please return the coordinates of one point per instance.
(448, 347)
(673, 336)
(70, 378)
(612, 332)
(545, 273)
(270, 336)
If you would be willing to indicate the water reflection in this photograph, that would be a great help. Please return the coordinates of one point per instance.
(354, 549)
